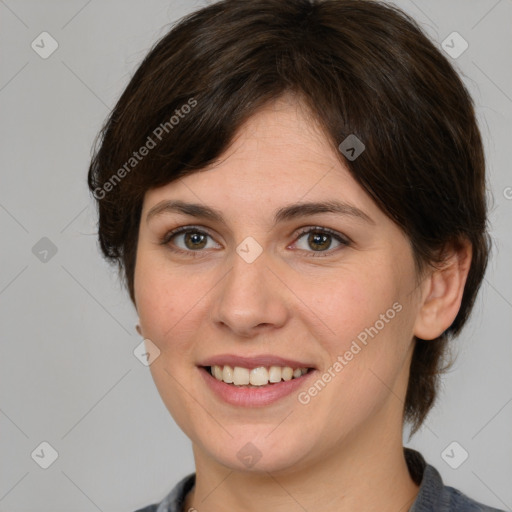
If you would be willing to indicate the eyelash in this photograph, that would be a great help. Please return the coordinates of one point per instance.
(343, 240)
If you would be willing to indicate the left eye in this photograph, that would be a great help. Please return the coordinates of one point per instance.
(320, 239)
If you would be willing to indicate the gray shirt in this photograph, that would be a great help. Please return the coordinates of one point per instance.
(433, 495)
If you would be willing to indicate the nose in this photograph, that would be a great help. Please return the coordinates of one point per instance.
(250, 299)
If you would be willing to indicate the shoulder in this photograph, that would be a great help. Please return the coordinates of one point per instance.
(453, 499)
(173, 502)
(434, 495)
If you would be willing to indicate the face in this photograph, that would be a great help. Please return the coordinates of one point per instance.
(263, 284)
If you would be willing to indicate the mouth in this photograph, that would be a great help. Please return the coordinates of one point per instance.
(257, 377)
(254, 381)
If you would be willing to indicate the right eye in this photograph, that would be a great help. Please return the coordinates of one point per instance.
(194, 240)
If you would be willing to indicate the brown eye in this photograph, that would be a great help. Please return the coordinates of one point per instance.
(194, 240)
(187, 240)
(320, 240)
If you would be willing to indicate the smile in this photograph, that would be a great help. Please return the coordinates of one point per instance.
(255, 377)
(242, 392)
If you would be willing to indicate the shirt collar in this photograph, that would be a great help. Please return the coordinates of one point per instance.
(429, 480)
(424, 475)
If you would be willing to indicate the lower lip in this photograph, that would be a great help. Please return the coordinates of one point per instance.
(256, 396)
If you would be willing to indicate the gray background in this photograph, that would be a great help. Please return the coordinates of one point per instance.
(68, 374)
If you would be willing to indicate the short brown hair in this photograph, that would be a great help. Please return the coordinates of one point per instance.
(361, 67)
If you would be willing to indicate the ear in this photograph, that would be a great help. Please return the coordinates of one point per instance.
(442, 292)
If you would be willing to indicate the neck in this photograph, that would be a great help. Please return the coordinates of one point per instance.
(367, 471)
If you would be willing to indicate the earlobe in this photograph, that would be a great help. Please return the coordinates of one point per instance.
(443, 291)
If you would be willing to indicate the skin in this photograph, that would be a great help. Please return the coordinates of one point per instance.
(343, 450)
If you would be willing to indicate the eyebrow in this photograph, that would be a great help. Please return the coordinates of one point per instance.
(289, 212)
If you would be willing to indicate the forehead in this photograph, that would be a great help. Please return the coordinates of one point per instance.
(278, 156)
(284, 130)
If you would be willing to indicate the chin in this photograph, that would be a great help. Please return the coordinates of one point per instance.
(259, 453)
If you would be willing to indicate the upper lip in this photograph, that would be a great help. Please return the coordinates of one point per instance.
(265, 360)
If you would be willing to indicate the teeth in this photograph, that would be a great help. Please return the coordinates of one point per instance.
(274, 374)
(260, 376)
(287, 373)
(240, 376)
(227, 374)
(217, 372)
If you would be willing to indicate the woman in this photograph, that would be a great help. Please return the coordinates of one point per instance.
(294, 193)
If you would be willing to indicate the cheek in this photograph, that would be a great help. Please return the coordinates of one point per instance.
(167, 304)
(348, 301)
(367, 329)
(165, 294)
